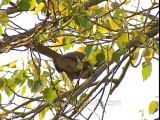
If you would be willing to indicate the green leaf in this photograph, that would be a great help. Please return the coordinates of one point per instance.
(11, 83)
(36, 86)
(57, 84)
(81, 21)
(4, 19)
(68, 45)
(24, 5)
(23, 90)
(49, 94)
(2, 82)
(20, 76)
(4, 2)
(88, 50)
(146, 70)
(1, 30)
(116, 57)
(100, 57)
(42, 113)
(153, 106)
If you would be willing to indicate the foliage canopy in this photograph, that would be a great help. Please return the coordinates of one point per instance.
(107, 33)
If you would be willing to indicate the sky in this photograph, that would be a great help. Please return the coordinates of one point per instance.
(132, 95)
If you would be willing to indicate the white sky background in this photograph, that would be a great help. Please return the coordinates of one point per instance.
(132, 95)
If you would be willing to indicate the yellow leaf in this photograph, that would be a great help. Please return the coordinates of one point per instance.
(148, 54)
(12, 64)
(61, 7)
(123, 39)
(153, 106)
(3, 19)
(136, 54)
(78, 28)
(94, 28)
(139, 36)
(3, 83)
(92, 57)
(1, 68)
(39, 7)
(108, 52)
(95, 7)
(67, 81)
(111, 24)
(102, 29)
(127, 2)
(29, 105)
(81, 49)
(60, 41)
(32, 4)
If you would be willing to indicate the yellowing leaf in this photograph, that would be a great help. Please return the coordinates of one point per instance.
(23, 90)
(3, 19)
(38, 85)
(108, 52)
(12, 64)
(81, 49)
(39, 8)
(1, 68)
(29, 105)
(111, 24)
(153, 106)
(146, 69)
(60, 41)
(95, 7)
(49, 94)
(102, 29)
(66, 80)
(61, 7)
(1, 30)
(78, 28)
(148, 54)
(92, 57)
(123, 39)
(2, 83)
(139, 36)
(135, 56)
(43, 113)
(127, 2)
(94, 28)
(32, 4)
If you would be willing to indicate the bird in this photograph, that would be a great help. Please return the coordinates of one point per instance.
(67, 63)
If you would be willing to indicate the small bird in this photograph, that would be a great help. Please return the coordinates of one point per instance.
(67, 63)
